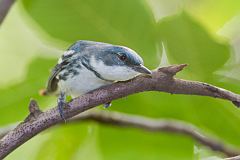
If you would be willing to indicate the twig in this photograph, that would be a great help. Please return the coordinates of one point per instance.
(156, 125)
(160, 80)
(5, 5)
(148, 124)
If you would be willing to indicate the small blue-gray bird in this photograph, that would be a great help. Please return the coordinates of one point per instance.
(88, 65)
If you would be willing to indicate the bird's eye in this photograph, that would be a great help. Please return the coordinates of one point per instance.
(122, 57)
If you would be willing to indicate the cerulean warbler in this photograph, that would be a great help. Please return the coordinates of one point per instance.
(88, 65)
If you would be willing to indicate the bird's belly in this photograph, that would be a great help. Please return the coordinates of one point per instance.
(81, 83)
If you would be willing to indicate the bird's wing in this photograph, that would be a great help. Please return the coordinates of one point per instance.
(63, 62)
(52, 85)
(74, 50)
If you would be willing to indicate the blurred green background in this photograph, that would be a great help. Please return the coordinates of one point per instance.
(202, 33)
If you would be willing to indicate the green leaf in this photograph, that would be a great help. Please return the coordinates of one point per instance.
(60, 142)
(124, 22)
(188, 42)
(64, 142)
(213, 14)
(15, 99)
(121, 143)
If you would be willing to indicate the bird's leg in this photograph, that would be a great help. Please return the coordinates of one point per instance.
(106, 105)
(61, 104)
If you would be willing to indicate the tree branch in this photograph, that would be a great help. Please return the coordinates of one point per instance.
(160, 80)
(156, 125)
(5, 6)
(148, 124)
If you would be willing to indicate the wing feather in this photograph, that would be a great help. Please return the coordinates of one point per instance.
(52, 85)
(64, 61)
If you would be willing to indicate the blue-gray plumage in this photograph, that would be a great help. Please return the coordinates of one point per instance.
(88, 65)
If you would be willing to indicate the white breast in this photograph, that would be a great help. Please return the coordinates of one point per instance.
(82, 83)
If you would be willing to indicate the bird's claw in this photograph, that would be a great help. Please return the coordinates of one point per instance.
(61, 105)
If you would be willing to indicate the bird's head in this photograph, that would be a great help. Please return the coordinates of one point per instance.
(112, 62)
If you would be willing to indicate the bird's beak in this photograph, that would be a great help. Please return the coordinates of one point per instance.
(142, 69)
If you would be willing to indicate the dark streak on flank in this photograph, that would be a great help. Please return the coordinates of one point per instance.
(86, 64)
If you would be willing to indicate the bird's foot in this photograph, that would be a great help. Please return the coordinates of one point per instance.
(61, 105)
(106, 105)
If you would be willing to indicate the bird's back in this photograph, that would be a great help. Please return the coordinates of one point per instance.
(70, 62)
